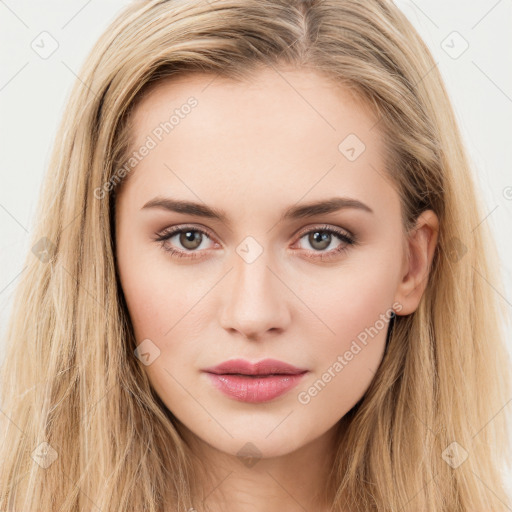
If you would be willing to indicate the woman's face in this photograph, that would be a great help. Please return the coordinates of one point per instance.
(258, 272)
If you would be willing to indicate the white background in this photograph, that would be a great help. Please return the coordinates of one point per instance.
(33, 91)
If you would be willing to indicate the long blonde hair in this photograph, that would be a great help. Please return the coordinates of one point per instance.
(83, 428)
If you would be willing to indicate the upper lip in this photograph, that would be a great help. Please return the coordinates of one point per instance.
(263, 367)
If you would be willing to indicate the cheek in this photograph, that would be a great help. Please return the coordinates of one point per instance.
(162, 306)
(353, 298)
(157, 299)
(363, 308)
(166, 306)
(357, 308)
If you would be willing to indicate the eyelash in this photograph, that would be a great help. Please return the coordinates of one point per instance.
(350, 240)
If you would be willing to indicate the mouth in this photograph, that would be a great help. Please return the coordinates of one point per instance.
(254, 388)
(266, 367)
(259, 376)
(254, 382)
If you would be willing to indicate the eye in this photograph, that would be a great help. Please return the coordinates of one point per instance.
(322, 237)
(191, 239)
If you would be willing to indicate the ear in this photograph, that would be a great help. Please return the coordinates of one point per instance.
(418, 254)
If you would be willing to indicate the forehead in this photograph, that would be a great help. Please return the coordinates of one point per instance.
(275, 95)
(283, 132)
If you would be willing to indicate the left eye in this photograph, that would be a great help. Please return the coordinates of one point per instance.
(191, 239)
(322, 238)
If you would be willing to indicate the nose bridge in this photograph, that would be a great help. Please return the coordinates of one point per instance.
(255, 301)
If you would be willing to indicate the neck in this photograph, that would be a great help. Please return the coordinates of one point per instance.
(251, 482)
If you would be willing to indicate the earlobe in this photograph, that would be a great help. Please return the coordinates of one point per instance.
(421, 243)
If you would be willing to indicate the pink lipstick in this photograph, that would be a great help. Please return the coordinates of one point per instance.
(254, 382)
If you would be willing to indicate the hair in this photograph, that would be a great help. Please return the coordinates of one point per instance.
(83, 427)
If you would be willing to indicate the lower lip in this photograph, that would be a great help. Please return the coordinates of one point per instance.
(254, 389)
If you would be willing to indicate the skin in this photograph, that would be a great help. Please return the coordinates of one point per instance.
(253, 149)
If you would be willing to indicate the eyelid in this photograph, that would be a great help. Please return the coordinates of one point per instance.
(326, 227)
(173, 230)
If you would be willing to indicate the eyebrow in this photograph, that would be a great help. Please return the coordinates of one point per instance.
(294, 212)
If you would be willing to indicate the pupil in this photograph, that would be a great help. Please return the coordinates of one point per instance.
(190, 239)
(323, 237)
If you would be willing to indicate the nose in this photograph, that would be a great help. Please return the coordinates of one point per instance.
(256, 302)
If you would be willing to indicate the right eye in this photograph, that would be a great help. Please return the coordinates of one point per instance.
(190, 238)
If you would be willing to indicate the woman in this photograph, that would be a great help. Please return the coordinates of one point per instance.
(260, 280)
